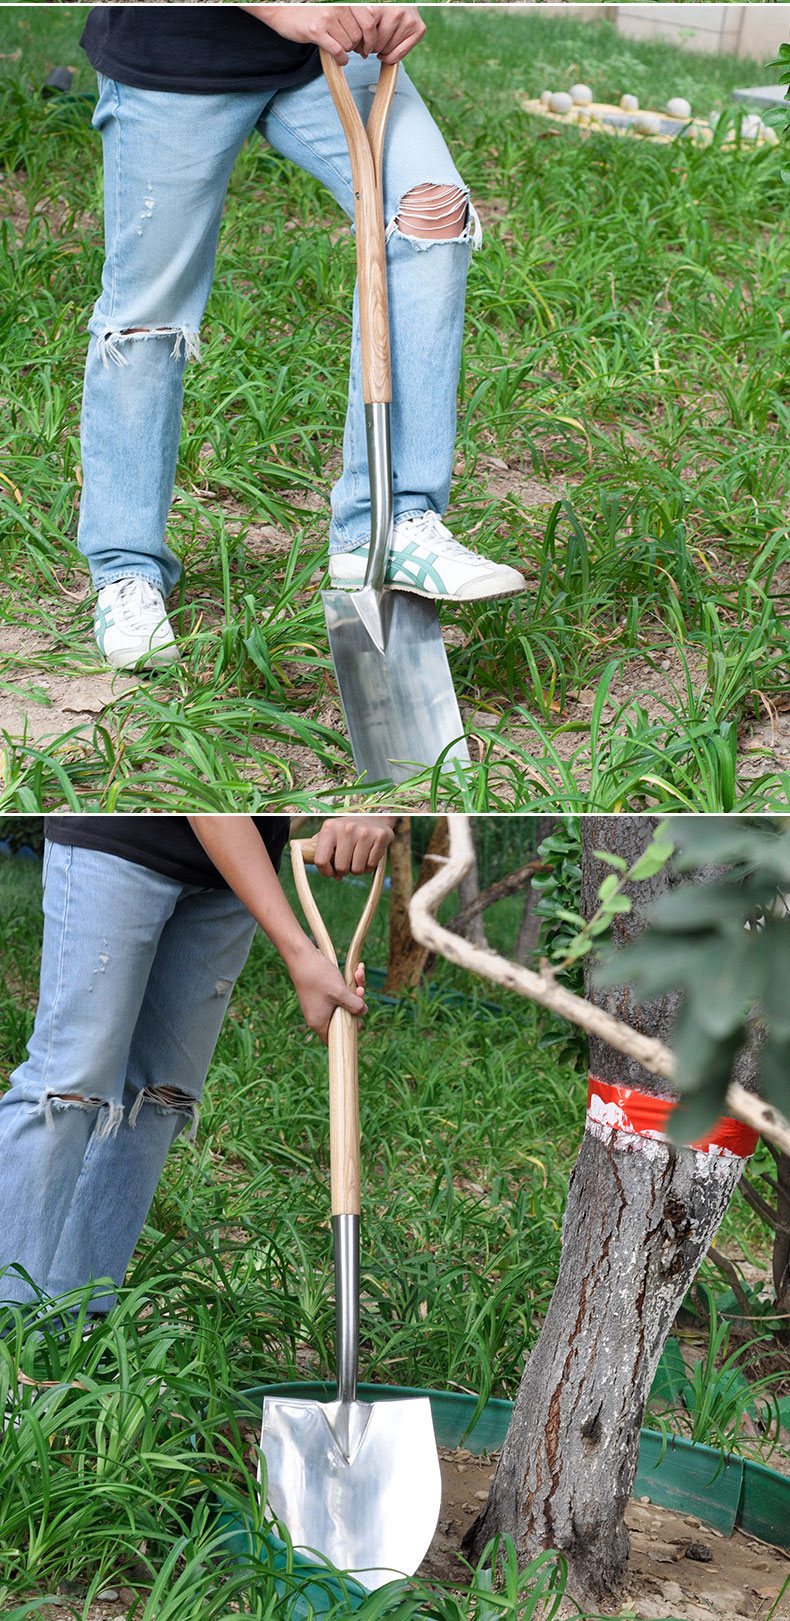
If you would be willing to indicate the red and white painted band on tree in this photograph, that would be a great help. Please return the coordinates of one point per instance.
(625, 1108)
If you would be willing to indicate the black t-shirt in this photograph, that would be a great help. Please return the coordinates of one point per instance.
(164, 844)
(196, 50)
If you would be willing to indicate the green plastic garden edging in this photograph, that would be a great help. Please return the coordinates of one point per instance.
(722, 1489)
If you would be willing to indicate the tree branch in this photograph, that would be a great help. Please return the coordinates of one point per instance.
(509, 885)
(544, 989)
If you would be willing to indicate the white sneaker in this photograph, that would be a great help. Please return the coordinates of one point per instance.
(424, 558)
(131, 625)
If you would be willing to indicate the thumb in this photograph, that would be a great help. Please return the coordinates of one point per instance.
(353, 1002)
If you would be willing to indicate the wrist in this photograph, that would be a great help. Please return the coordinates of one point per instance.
(297, 953)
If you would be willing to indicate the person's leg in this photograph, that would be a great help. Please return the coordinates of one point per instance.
(200, 953)
(167, 162)
(102, 922)
(431, 229)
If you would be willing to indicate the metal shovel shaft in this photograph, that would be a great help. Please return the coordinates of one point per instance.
(367, 602)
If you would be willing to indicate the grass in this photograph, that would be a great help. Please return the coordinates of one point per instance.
(101, 1484)
(623, 414)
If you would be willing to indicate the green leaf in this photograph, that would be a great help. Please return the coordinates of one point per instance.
(693, 908)
(671, 1383)
(654, 963)
(775, 1072)
(704, 1070)
(653, 860)
(618, 862)
(608, 888)
(725, 987)
(771, 952)
(694, 1116)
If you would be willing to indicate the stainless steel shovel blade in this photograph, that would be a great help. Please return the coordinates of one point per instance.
(356, 1482)
(398, 699)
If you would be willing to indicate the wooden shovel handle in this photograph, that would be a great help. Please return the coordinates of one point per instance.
(342, 1039)
(365, 151)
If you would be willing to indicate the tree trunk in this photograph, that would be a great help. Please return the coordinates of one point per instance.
(638, 1222)
(469, 922)
(528, 929)
(408, 961)
(781, 1252)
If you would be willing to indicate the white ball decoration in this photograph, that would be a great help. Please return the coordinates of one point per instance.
(581, 94)
(679, 107)
(648, 124)
(629, 104)
(545, 97)
(561, 102)
(752, 126)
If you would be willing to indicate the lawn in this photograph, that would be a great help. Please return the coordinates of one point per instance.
(107, 1480)
(622, 439)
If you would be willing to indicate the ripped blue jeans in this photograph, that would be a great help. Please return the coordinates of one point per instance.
(136, 973)
(167, 162)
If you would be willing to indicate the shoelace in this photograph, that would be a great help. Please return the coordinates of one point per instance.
(136, 595)
(426, 528)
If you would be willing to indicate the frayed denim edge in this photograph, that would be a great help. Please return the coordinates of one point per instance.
(186, 344)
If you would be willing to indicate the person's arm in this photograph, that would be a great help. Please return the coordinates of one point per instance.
(388, 32)
(238, 852)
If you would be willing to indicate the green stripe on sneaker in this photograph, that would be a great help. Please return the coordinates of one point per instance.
(417, 569)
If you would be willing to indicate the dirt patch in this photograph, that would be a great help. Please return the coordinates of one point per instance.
(765, 743)
(42, 703)
(59, 214)
(679, 1567)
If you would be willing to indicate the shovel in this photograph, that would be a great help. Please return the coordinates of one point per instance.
(390, 662)
(355, 1482)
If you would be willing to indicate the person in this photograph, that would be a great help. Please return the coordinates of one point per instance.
(181, 88)
(147, 923)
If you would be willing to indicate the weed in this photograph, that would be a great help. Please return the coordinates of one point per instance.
(624, 349)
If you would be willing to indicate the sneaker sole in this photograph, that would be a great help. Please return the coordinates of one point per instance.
(483, 594)
(157, 660)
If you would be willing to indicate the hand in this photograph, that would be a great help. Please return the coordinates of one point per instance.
(389, 32)
(336, 29)
(400, 28)
(321, 989)
(352, 844)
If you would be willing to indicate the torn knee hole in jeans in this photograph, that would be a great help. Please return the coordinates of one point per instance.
(166, 1100)
(56, 1102)
(186, 343)
(432, 213)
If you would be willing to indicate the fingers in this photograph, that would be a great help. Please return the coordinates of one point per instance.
(352, 844)
(348, 28)
(355, 1003)
(400, 28)
(388, 31)
(365, 20)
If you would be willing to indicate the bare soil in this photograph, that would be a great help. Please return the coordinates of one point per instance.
(741, 1578)
(679, 1568)
(42, 703)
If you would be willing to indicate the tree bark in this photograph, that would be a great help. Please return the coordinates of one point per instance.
(409, 961)
(639, 1219)
(528, 929)
(781, 1251)
(511, 884)
(469, 920)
